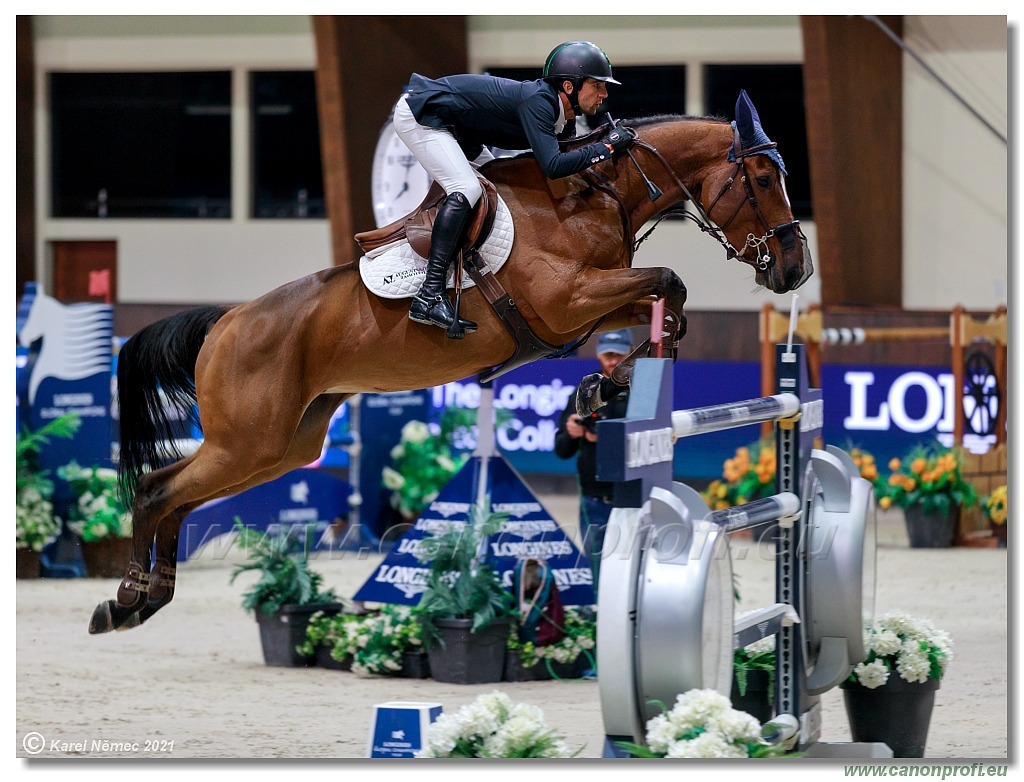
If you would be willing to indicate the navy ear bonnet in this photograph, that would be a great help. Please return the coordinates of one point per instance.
(751, 132)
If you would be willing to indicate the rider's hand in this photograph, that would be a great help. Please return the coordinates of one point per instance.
(620, 138)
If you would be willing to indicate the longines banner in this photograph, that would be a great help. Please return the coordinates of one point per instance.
(68, 353)
(529, 532)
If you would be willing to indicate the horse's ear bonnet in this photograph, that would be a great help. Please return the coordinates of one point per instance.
(751, 133)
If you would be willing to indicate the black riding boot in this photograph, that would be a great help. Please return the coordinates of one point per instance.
(431, 304)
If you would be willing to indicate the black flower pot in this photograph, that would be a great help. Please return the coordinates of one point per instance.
(897, 714)
(931, 529)
(285, 629)
(757, 699)
(325, 660)
(415, 665)
(462, 657)
(542, 670)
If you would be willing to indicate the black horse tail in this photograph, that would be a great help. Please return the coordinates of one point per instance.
(156, 390)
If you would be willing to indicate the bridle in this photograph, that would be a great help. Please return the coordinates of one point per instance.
(787, 232)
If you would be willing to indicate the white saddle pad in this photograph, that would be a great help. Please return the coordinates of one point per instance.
(395, 271)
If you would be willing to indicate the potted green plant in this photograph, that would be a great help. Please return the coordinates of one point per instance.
(996, 509)
(424, 460)
(890, 695)
(36, 526)
(428, 455)
(566, 658)
(287, 593)
(493, 726)
(753, 682)
(748, 475)
(99, 518)
(382, 642)
(326, 640)
(464, 610)
(928, 485)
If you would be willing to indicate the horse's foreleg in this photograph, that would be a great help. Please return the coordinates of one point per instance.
(622, 297)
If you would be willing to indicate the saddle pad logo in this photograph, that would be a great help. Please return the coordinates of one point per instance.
(395, 271)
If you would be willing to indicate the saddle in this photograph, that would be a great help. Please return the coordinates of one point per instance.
(417, 226)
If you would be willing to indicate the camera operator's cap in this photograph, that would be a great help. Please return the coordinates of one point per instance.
(620, 342)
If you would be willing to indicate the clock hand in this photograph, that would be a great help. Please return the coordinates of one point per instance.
(405, 186)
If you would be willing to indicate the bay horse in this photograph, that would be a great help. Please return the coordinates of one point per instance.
(267, 375)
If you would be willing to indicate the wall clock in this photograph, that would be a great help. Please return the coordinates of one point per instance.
(398, 182)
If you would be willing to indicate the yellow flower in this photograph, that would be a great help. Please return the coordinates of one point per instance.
(885, 502)
(996, 506)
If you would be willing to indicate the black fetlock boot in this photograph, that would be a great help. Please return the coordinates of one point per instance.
(431, 305)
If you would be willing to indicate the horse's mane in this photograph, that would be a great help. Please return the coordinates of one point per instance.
(636, 122)
(657, 119)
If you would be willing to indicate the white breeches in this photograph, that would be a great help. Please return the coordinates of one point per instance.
(440, 154)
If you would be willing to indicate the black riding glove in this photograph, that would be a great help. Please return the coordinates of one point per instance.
(620, 138)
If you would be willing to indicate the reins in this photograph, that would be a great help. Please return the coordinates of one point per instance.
(703, 219)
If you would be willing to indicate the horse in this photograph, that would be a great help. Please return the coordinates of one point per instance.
(267, 375)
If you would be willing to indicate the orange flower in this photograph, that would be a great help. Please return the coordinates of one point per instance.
(895, 464)
(909, 484)
(885, 502)
(918, 465)
(869, 472)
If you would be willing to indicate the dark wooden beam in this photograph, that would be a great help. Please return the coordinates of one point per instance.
(853, 91)
(25, 152)
(362, 64)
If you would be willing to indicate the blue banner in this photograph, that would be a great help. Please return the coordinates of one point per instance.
(301, 498)
(530, 531)
(67, 369)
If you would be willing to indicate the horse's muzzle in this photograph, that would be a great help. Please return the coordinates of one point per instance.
(795, 266)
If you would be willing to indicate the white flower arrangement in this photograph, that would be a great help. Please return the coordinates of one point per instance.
(493, 726)
(912, 647)
(98, 511)
(35, 523)
(703, 724)
(580, 638)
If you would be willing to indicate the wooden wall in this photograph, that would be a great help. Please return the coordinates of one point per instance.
(362, 64)
(853, 93)
(25, 152)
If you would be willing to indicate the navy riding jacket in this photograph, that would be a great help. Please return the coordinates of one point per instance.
(487, 110)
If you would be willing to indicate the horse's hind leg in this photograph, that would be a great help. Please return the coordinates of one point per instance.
(304, 448)
(133, 591)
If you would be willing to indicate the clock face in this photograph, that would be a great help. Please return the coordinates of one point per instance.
(398, 182)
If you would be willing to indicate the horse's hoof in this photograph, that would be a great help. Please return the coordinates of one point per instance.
(102, 620)
(132, 620)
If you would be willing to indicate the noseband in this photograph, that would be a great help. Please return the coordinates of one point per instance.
(787, 232)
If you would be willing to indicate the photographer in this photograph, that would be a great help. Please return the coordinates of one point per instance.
(577, 437)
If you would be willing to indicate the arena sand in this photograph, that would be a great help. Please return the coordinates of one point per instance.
(194, 675)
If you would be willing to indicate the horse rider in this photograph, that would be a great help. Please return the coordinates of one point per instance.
(448, 122)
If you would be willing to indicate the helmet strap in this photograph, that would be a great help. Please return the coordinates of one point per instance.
(574, 96)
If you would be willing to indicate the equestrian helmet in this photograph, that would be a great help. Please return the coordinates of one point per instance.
(578, 60)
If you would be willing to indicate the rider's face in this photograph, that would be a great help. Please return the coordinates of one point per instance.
(592, 95)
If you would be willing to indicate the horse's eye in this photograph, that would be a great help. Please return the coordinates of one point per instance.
(764, 181)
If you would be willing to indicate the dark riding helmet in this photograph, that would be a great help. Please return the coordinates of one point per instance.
(578, 60)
